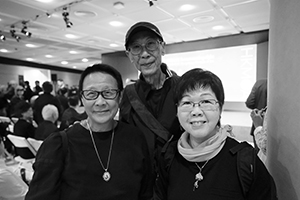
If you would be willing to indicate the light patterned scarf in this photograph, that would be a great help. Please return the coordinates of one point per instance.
(207, 149)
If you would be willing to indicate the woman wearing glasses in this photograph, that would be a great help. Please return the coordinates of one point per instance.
(105, 159)
(201, 164)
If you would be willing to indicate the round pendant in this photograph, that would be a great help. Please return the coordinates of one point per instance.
(106, 176)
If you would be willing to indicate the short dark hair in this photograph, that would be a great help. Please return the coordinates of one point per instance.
(73, 100)
(21, 108)
(103, 68)
(199, 78)
(47, 87)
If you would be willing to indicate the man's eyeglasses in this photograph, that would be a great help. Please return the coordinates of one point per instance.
(205, 105)
(109, 94)
(151, 45)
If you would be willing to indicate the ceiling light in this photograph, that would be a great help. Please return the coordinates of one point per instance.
(84, 60)
(113, 45)
(71, 36)
(219, 27)
(73, 52)
(4, 50)
(29, 59)
(74, 67)
(48, 56)
(186, 7)
(64, 62)
(203, 19)
(83, 13)
(119, 5)
(44, 1)
(115, 23)
(30, 45)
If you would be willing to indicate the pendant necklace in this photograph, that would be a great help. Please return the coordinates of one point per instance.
(106, 175)
(199, 176)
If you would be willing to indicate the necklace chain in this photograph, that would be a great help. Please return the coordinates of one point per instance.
(200, 168)
(199, 176)
(106, 175)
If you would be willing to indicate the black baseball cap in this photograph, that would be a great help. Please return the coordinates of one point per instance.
(141, 26)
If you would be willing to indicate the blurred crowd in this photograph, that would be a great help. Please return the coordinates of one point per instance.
(40, 110)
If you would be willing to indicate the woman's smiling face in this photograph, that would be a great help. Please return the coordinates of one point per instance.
(200, 124)
(100, 111)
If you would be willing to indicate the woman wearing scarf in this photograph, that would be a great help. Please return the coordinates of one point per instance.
(200, 164)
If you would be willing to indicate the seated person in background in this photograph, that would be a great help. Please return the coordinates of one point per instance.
(71, 115)
(12, 187)
(25, 126)
(46, 127)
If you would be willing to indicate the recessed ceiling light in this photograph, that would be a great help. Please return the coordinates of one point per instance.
(29, 59)
(74, 67)
(114, 45)
(48, 56)
(84, 60)
(83, 13)
(4, 50)
(186, 7)
(44, 1)
(119, 5)
(73, 52)
(64, 62)
(71, 36)
(0, 19)
(219, 27)
(30, 45)
(203, 19)
(115, 23)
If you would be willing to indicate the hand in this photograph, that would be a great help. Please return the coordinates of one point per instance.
(257, 117)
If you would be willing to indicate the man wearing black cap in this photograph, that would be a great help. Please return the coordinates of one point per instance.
(148, 103)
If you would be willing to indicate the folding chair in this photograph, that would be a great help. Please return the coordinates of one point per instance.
(22, 146)
(35, 143)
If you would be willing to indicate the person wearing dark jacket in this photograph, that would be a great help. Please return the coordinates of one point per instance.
(47, 126)
(71, 115)
(44, 99)
(154, 89)
(205, 163)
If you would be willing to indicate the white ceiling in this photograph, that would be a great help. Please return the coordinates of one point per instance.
(94, 34)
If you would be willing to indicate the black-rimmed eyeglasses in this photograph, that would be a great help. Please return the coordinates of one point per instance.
(109, 94)
(150, 45)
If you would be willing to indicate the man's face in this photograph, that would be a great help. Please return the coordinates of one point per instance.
(148, 61)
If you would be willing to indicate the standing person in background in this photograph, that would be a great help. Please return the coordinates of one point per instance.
(205, 163)
(44, 99)
(19, 96)
(71, 115)
(28, 93)
(37, 88)
(98, 158)
(257, 99)
(148, 103)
